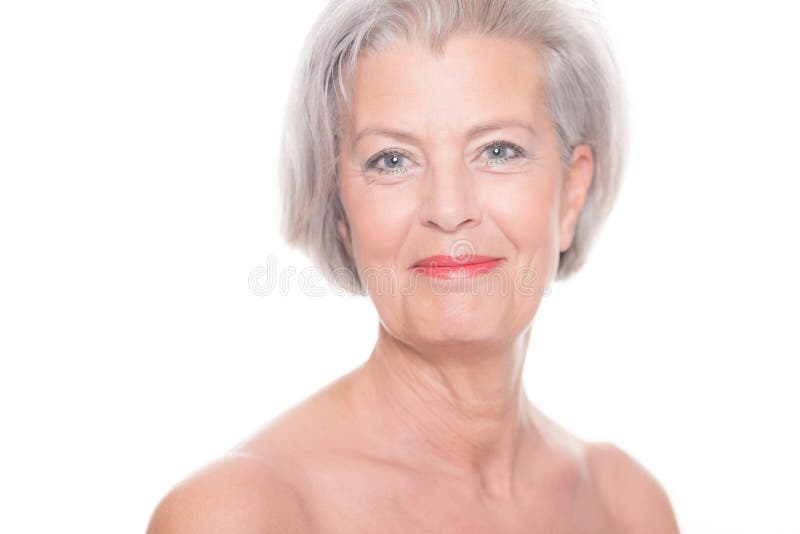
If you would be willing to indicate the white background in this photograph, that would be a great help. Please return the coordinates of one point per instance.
(138, 151)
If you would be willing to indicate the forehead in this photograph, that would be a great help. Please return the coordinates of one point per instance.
(477, 79)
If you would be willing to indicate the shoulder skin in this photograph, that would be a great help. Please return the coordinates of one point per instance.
(237, 493)
(636, 500)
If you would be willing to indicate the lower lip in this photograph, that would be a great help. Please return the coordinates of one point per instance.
(458, 271)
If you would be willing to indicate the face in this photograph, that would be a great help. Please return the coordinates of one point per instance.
(456, 156)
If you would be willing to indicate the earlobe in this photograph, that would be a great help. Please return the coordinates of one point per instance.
(576, 188)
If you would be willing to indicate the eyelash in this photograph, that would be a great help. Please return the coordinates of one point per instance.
(371, 164)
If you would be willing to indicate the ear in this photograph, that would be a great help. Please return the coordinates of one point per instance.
(573, 194)
(344, 234)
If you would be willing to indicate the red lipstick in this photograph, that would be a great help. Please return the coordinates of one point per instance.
(443, 266)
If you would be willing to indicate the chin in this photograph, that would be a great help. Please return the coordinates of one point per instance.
(461, 319)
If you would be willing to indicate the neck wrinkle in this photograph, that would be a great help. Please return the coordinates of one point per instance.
(460, 409)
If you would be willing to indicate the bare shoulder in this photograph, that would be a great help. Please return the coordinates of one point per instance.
(239, 493)
(260, 486)
(632, 494)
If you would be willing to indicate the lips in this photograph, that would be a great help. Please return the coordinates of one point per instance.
(442, 266)
(453, 261)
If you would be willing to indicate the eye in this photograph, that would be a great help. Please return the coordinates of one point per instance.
(388, 162)
(501, 153)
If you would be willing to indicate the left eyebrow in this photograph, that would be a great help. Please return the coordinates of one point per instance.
(473, 132)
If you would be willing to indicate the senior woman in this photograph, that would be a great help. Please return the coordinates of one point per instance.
(466, 152)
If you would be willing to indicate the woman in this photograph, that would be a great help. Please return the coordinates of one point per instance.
(450, 159)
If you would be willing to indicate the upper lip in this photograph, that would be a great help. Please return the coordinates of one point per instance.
(444, 260)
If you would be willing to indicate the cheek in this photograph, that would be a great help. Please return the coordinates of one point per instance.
(527, 213)
(527, 216)
(379, 221)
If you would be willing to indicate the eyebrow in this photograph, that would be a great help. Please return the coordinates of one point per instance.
(473, 132)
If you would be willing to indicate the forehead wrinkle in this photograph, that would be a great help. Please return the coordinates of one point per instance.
(471, 133)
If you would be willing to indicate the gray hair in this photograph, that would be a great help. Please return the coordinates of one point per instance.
(584, 98)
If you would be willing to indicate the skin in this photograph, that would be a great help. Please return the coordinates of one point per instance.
(434, 432)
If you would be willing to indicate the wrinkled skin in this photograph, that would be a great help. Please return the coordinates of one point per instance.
(434, 432)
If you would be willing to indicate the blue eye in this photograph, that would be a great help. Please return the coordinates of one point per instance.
(391, 159)
(389, 162)
(499, 152)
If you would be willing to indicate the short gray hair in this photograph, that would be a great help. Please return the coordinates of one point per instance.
(584, 98)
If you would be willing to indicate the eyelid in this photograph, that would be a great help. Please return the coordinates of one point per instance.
(502, 142)
(386, 152)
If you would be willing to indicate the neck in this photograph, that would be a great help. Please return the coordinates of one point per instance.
(458, 408)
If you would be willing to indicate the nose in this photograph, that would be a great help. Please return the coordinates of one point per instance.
(449, 200)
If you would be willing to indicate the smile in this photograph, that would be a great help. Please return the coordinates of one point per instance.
(449, 267)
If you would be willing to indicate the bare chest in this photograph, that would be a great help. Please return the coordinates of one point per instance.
(344, 508)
